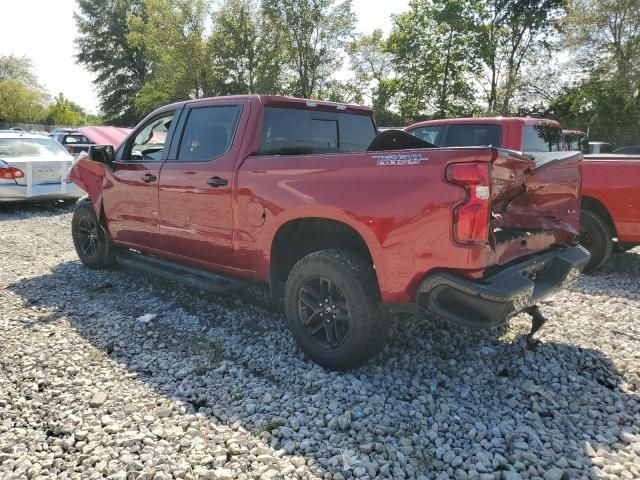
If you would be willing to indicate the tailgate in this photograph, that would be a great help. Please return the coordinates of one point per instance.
(536, 194)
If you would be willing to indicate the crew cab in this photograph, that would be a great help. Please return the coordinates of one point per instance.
(343, 224)
(610, 204)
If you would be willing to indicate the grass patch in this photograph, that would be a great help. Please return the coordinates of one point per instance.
(213, 349)
(272, 425)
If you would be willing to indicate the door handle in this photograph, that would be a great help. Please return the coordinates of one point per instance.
(216, 182)
(148, 178)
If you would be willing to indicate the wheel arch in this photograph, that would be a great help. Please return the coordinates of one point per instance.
(596, 206)
(301, 236)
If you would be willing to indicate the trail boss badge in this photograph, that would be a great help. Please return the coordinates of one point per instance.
(399, 160)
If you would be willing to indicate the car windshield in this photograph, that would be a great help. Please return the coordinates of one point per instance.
(600, 148)
(31, 147)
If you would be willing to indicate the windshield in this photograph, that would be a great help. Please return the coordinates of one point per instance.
(31, 147)
(542, 138)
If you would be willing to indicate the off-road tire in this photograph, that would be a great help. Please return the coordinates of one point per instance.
(93, 246)
(595, 236)
(355, 280)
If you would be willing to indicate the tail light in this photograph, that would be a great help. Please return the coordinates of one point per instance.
(471, 218)
(10, 173)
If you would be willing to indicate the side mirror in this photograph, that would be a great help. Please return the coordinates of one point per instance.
(102, 154)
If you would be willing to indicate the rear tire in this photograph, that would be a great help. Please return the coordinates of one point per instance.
(92, 245)
(333, 309)
(595, 236)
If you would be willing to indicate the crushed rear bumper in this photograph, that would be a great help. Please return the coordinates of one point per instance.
(490, 302)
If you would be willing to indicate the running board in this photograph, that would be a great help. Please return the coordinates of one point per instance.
(194, 277)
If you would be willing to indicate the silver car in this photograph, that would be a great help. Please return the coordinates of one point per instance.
(34, 168)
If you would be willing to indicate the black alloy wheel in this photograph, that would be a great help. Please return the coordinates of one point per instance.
(87, 234)
(323, 311)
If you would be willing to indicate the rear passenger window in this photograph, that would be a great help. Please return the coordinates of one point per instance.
(473, 135)
(208, 133)
(288, 131)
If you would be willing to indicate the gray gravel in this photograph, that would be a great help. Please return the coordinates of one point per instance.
(116, 375)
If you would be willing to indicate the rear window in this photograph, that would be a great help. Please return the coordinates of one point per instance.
(289, 131)
(473, 135)
(76, 139)
(542, 138)
(428, 134)
(31, 147)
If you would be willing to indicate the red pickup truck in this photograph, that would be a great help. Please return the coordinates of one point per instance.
(343, 225)
(610, 204)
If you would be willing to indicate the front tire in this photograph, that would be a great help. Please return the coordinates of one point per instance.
(595, 236)
(333, 309)
(93, 247)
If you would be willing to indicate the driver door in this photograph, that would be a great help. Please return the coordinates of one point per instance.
(130, 194)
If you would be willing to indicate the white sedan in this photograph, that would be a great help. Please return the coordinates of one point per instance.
(34, 168)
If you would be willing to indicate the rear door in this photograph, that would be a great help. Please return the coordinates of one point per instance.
(130, 192)
(196, 182)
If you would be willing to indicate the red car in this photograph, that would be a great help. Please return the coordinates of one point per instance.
(78, 140)
(610, 205)
(343, 225)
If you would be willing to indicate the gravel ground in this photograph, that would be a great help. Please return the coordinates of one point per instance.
(214, 387)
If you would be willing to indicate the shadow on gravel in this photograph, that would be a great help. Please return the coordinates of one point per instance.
(618, 277)
(439, 399)
(9, 211)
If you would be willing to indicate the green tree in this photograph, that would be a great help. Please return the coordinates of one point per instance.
(604, 39)
(605, 34)
(172, 35)
(432, 47)
(511, 33)
(314, 34)
(373, 69)
(120, 67)
(64, 112)
(21, 96)
(247, 49)
(19, 69)
(19, 103)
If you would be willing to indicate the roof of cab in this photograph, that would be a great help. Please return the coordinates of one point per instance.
(489, 120)
(283, 102)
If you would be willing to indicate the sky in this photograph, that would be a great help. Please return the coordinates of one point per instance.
(44, 31)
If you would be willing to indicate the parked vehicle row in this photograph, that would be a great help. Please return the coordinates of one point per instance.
(34, 168)
(341, 223)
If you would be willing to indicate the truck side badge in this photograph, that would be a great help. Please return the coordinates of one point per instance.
(399, 160)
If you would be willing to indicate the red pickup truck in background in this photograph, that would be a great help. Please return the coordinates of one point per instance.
(342, 224)
(610, 204)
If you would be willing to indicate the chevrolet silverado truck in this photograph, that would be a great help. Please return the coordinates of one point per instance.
(610, 203)
(344, 225)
